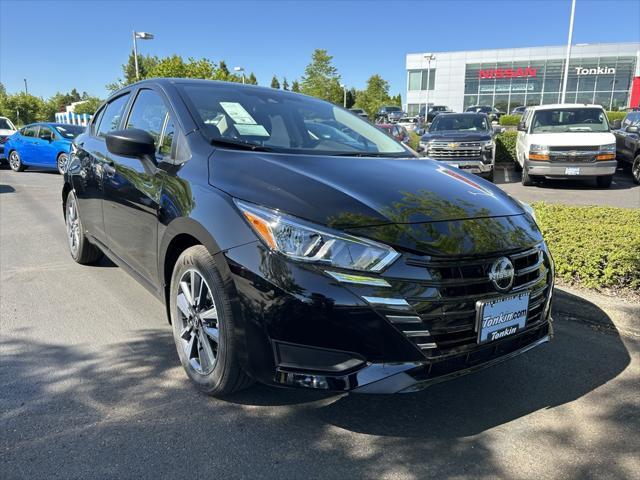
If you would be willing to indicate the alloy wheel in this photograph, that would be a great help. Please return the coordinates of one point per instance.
(73, 226)
(635, 171)
(62, 163)
(14, 161)
(199, 332)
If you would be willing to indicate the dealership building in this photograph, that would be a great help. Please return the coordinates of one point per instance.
(607, 74)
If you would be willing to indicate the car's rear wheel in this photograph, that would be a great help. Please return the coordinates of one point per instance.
(82, 251)
(61, 162)
(604, 181)
(528, 180)
(635, 170)
(204, 326)
(15, 162)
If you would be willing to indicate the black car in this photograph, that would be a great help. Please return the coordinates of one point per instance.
(295, 260)
(627, 135)
(434, 110)
(462, 140)
(518, 110)
(360, 112)
(493, 113)
(389, 114)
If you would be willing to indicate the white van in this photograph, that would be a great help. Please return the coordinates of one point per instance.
(566, 141)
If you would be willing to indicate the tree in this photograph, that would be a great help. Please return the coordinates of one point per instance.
(22, 108)
(285, 84)
(223, 71)
(252, 80)
(352, 94)
(374, 96)
(295, 86)
(145, 63)
(275, 83)
(321, 78)
(90, 105)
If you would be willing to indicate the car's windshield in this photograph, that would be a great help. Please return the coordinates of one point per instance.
(393, 109)
(559, 120)
(69, 131)
(285, 122)
(468, 123)
(5, 125)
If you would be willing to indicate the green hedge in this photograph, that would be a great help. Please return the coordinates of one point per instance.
(506, 147)
(595, 247)
(616, 116)
(510, 120)
(414, 140)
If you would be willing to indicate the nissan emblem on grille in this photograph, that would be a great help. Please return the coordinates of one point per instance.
(502, 274)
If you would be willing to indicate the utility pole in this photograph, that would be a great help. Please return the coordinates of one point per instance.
(429, 57)
(26, 90)
(566, 62)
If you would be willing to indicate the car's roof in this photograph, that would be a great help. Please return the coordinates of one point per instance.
(555, 106)
(467, 114)
(52, 124)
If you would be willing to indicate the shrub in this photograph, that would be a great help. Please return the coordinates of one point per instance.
(414, 140)
(506, 147)
(510, 120)
(616, 116)
(596, 247)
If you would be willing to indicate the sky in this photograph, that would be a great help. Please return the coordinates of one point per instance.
(60, 45)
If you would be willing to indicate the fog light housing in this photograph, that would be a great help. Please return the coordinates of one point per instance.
(304, 380)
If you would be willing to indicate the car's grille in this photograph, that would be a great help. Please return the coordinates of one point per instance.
(576, 149)
(445, 305)
(454, 149)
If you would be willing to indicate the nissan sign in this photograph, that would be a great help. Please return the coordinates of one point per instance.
(508, 72)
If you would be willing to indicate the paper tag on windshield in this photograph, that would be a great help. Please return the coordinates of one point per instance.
(249, 130)
(237, 113)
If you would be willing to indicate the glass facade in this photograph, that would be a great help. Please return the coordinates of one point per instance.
(506, 85)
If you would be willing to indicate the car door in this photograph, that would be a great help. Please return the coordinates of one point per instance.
(521, 137)
(133, 189)
(44, 150)
(89, 165)
(24, 144)
(630, 139)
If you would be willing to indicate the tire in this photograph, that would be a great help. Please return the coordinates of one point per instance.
(635, 170)
(517, 167)
(82, 251)
(61, 163)
(527, 180)
(15, 162)
(204, 328)
(489, 176)
(604, 181)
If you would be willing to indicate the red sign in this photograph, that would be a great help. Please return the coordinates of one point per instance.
(508, 72)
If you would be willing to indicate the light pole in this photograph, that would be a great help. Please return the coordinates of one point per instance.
(26, 90)
(239, 69)
(429, 57)
(141, 36)
(344, 95)
(566, 62)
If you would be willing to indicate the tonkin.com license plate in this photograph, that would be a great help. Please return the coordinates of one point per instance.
(502, 317)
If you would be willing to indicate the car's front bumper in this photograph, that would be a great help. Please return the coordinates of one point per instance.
(559, 169)
(475, 165)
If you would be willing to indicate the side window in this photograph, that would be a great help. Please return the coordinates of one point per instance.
(29, 131)
(148, 113)
(96, 121)
(45, 133)
(112, 115)
(167, 139)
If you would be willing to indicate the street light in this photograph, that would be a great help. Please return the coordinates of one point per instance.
(141, 36)
(566, 62)
(428, 57)
(344, 95)
(239, 69)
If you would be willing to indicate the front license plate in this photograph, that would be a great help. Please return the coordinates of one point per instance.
(572, 171)
(502, 317)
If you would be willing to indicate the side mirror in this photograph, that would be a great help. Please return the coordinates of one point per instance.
(131, 143)
(521, 127)
(632, 129)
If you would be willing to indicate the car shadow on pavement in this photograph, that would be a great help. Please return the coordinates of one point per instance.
(126, 410)
(621, 181)
(6, 188)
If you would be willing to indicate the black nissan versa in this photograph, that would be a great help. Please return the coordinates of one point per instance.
(339, 262)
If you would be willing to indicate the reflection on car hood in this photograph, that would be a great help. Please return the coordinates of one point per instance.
(457, 136)
(347, 192)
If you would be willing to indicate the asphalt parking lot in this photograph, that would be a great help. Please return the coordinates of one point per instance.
(91, 387)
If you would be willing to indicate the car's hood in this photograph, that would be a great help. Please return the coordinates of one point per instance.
(347, 192)
(572, 139)
(456, 136)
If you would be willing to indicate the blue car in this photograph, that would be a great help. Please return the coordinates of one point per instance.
(42, 145)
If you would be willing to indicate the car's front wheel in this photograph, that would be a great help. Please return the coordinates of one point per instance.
(204, 326)
(15, 162)
(82, 251)
(62, 163)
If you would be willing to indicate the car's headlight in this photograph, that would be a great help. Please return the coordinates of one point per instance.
(539, 148)
(611, 147)
(304, 241)
(488, 145)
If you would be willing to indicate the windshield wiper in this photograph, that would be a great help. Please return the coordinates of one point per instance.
(242, 145)
(367, 154)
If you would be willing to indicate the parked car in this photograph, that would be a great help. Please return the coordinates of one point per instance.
(434, 110)
(360, 113)
(42, 145)
(627, 135)
(389, 114)
(298, 261)
(493, 113)
(396, 131)
(462, 140)
(518, 110)
(409, 123)
(566, 141)
(7, 128)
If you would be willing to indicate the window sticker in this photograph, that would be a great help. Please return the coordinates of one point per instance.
(237, 113)
(251, 130)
